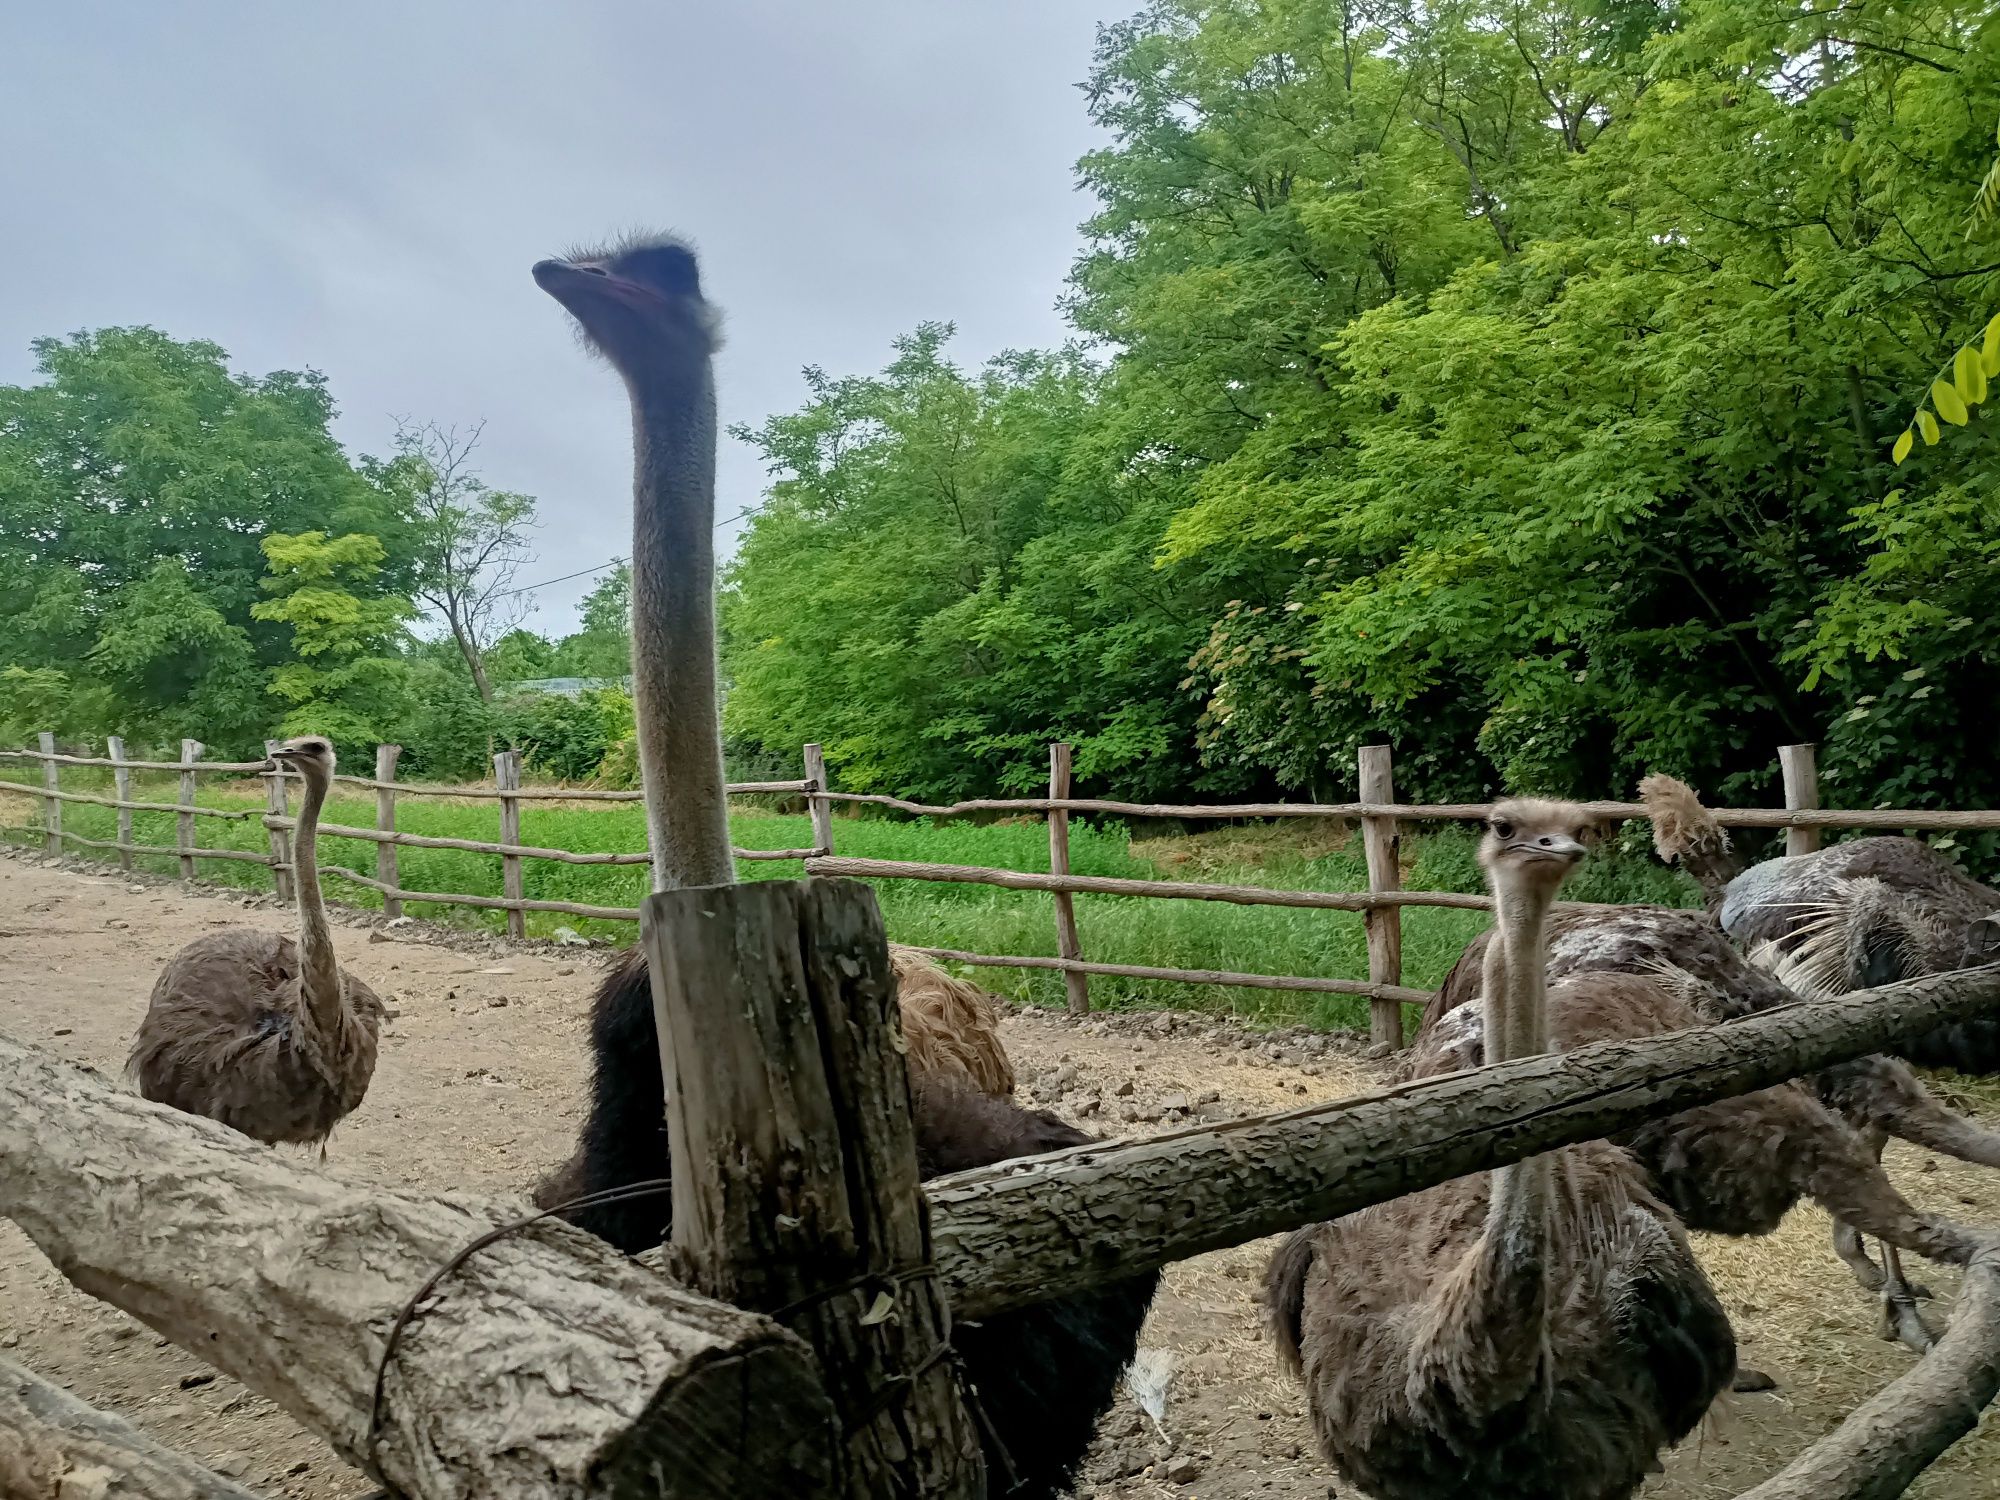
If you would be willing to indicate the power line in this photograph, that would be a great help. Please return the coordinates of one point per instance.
(529, 588)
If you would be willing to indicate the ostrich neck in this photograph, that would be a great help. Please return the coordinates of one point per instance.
(319, 970)
(673, 629)
(1514, 1246)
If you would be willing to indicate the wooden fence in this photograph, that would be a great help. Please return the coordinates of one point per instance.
(1378, 812)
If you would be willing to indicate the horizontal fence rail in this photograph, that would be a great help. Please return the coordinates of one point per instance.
(1378, 814)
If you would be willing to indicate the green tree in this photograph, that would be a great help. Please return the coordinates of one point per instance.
(347, 679)
(137, 477)
(603, 647)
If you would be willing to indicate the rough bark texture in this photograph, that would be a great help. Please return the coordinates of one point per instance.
(546, 1365)
(1796, 763)
(795, 1164)
(1877, 1452)
(1019, 1232)
(54, 1447)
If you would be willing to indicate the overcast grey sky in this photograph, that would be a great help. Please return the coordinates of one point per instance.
(362, 187)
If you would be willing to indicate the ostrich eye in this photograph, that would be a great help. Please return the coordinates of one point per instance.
(1502, 828)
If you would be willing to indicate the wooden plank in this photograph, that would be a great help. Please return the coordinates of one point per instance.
(1042, 1227)
(184, 824)
(524, 851)
(1106, 885)
(483, 903)
(386, 757)
(822, 810)
(81, 842)
(544, 1364)
(1878, 1452)
(794, 1161)
(1801, 777)
(561, 794)
(54, 1447)
(507, 778)
(96, 801)
(1187, 976)
(52, 842)
(276, 826)
(1383, 846)
(1068, 944)
(121, 782)
(136, 765)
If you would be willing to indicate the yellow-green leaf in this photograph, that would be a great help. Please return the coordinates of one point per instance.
(1903, 446)
(1945, 399)
(1991, 348)
(1968, 376)
(1927, 425)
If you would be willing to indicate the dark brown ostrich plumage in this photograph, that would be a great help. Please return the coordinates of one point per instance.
(256, 1029)
(1541, 1331)
(1737, 1166)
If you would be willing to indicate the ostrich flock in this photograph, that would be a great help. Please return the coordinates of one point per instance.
(1541, 1330)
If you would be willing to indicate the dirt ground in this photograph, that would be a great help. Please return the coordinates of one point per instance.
(479, 1087)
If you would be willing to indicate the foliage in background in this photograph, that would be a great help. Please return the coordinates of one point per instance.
(347, 679)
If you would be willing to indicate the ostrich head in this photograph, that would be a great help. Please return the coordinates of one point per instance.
(1531, 846)
(638, 303)
(311, 755)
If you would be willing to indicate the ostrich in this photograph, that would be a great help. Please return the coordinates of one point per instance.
(1860, 914)
(270, 1036)
(1740, 1180)
(1041, 1375)
(1542, 1330)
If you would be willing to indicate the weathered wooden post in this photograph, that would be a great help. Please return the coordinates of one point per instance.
(1383, 846)
(184, 822)
(1797, 763)
(386, 757)
(795, 1186)
(816, 801)
(507, 777)
(1068, 944)
(121, 791)
(275, 800)
(51, 803)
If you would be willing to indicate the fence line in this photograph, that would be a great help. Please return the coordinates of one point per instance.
(1378, 812)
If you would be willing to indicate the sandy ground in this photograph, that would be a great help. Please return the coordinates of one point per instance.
(479, 1087)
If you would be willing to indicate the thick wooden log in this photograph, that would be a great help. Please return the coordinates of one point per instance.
(545, 1365)
(794, 1159)
(821, 809)
(1879, 1450)
(55, 1447)
(184, 824)
(1025, 1231)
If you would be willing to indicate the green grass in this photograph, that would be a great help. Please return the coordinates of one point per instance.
(1292, 855)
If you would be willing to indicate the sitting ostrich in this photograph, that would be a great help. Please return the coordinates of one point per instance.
(1741, 1178)
(1860, 914)
(270, 1036)
(1041, 1375)
(1541, 1331)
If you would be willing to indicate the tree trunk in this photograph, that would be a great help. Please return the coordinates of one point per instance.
(545, 1365)
(54, 1447)
(1878, 1451)
(795, 1163)
(1022, 1232)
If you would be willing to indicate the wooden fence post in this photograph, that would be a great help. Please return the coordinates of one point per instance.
(822, 810)
(1383, 846)
(121, 791)
(51, 804)
(184, 822)
(386, 757)
(275, 802)
(507, 777)
(1801, 792)
(1068, 944)
(794, 1160)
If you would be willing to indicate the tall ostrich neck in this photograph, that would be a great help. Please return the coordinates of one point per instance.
(673, 628)
(319, 970)
(1517, 1025)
